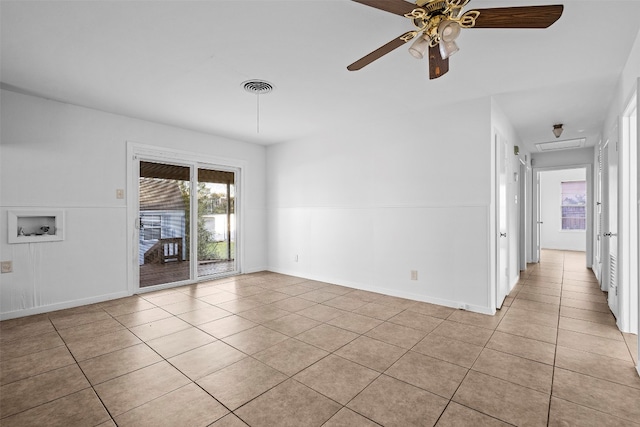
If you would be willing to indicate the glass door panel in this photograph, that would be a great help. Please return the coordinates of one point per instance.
(216, 222)
(164, 212)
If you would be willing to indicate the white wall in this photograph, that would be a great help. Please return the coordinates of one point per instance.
(552, 236)
(56, 155)
(328, 198)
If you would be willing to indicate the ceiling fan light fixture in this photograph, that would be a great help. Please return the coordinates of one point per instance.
(419, 47)
(557, 130)
(448, 30)
(448, 48)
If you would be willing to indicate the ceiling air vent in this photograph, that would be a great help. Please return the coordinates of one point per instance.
(257, 87)
(567, 144)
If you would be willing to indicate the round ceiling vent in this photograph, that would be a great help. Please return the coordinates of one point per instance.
(257, 87)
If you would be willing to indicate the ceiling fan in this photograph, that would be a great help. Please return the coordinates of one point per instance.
(438, 23)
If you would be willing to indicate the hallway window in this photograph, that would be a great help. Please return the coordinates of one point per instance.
(574, 205)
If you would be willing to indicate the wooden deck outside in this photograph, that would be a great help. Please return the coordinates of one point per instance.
(156, 274)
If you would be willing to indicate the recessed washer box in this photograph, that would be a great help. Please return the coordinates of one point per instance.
(35, 226)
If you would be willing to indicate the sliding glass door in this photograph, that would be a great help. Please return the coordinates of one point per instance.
(173, 224)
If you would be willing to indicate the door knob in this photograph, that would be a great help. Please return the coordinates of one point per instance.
(540, 222)
(503, 234)
(610, 234)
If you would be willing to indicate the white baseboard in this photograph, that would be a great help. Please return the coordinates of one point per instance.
(62, 305)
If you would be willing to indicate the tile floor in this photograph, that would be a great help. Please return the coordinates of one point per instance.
(273, 350)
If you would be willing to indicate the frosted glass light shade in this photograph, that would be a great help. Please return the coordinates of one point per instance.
(419, 47)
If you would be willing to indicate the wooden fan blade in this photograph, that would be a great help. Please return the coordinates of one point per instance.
(381, 51)
(519, 17)
(399, 7)
(437, 66)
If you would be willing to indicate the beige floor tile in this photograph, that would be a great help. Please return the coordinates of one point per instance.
(292, 324)
(591, 328)
(457, 415)
(264, 313)
(180, 342)
(540, 289)
(337, 378)
(342, 302)
(33, 391)
(207, 359)
(538, 307)
(434, 375)
(632, 344)
(564, 413)
(365, 296)
(411, 319)
(185, 306)
(293, 304)
(588, 315)
(170, 299)
(398, 302)
(241, 382)
(318, 296)
(90, 330)
(593, 297)
(32, 364)
(255, 339)
(289, 404)
(604, 396)
(69, 321)
(226, 326)
(504, 400)
(97, 346)
(29, 344)
(229, 421)
(371, 353)
(606, 368)
(593, 344)
(601, 307)
(586, 276)
(528, 316)
(63, 412)
(321, 313)
(462, 332)
(268, 297)
(187, 406)
(397, 335)
(329, 287)
(515, 326)
(588, 290)
(136, 388)
(390, 402)
(128, 307)
(327, 337)
(141, 317)
(477, 319)
(524, 372)
(347, 418)
(297, 289)
(378, 311)
(120, 362)
(204, 315)
(432, 310)
(219, 297)
(448, 349)
(524, 347)
(538, 297)
(290, 356)
(159, 328)
(355, 322)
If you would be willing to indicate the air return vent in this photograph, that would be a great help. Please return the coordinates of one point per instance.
(567, 144)
(257, 87)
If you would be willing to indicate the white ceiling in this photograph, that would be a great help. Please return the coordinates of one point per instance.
(183, 62)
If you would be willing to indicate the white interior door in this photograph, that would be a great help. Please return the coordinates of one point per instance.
(539, 222)
(611, 226)
(502, 222)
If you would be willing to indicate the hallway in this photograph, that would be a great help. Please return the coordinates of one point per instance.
(266, 349)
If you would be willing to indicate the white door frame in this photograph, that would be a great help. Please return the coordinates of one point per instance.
(136, 152)
(535, 236)
(502, 284)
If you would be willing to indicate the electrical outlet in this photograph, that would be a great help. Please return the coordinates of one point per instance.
(7, 266)
(414, 274)
(119, 193)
